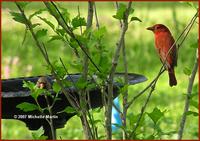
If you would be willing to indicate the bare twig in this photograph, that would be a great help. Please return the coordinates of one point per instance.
(125, 95)
(187, 99)
(117, 6)
(50, 120)
(145, 104)
(83, 101)
(79, 14)
(96, 17)
(108, 110)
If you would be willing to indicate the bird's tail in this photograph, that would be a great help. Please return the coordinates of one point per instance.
(172, 77)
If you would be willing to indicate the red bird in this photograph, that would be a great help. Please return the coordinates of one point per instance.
(163, 42)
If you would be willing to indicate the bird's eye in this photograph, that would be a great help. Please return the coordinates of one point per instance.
(157, 27)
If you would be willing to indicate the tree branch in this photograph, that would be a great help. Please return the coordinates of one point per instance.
(187, 99)
(83, 101)
(108, 110)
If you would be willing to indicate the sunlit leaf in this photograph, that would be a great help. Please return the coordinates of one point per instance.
(78, 21)
(120, 12)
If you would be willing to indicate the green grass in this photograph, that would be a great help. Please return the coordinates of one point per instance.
(142, 58)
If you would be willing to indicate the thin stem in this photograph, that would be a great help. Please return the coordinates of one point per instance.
(96, 17)
(108, 110)
(51, 120)
(187, 99)
(79, 14)
(144, 106)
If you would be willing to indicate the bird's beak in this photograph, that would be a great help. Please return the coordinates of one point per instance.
(150, 28)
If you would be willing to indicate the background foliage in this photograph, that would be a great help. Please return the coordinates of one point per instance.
(25, 60)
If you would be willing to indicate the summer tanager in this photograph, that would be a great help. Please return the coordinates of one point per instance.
(163, 42)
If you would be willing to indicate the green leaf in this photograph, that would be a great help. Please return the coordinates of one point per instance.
(192, 113)
(60, 31)
(69, 110)
(194, 45)
(56, 87)
(132, 118)
(36, 92)
(38, 134)
(191, 4)
(43, 137)
(18, 17)
(65, 14)
(30, 85)
(55, 37)
(81, 83)
(36, 13)
(135, 19)
(37, 137)
(47, 22)
(168, 133)
(23, 4)
(119, 126)
(91, 86)
(35, 25)
(41, 33)
(78, 21)
(131, 11)
(150, 137)
(124, 89)
(82, 39)
(120, 12)
(95, 122)
(26, 107)
(187, 71)
(156, 114)
(73, 43)
(99, 33)
(194, 104)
